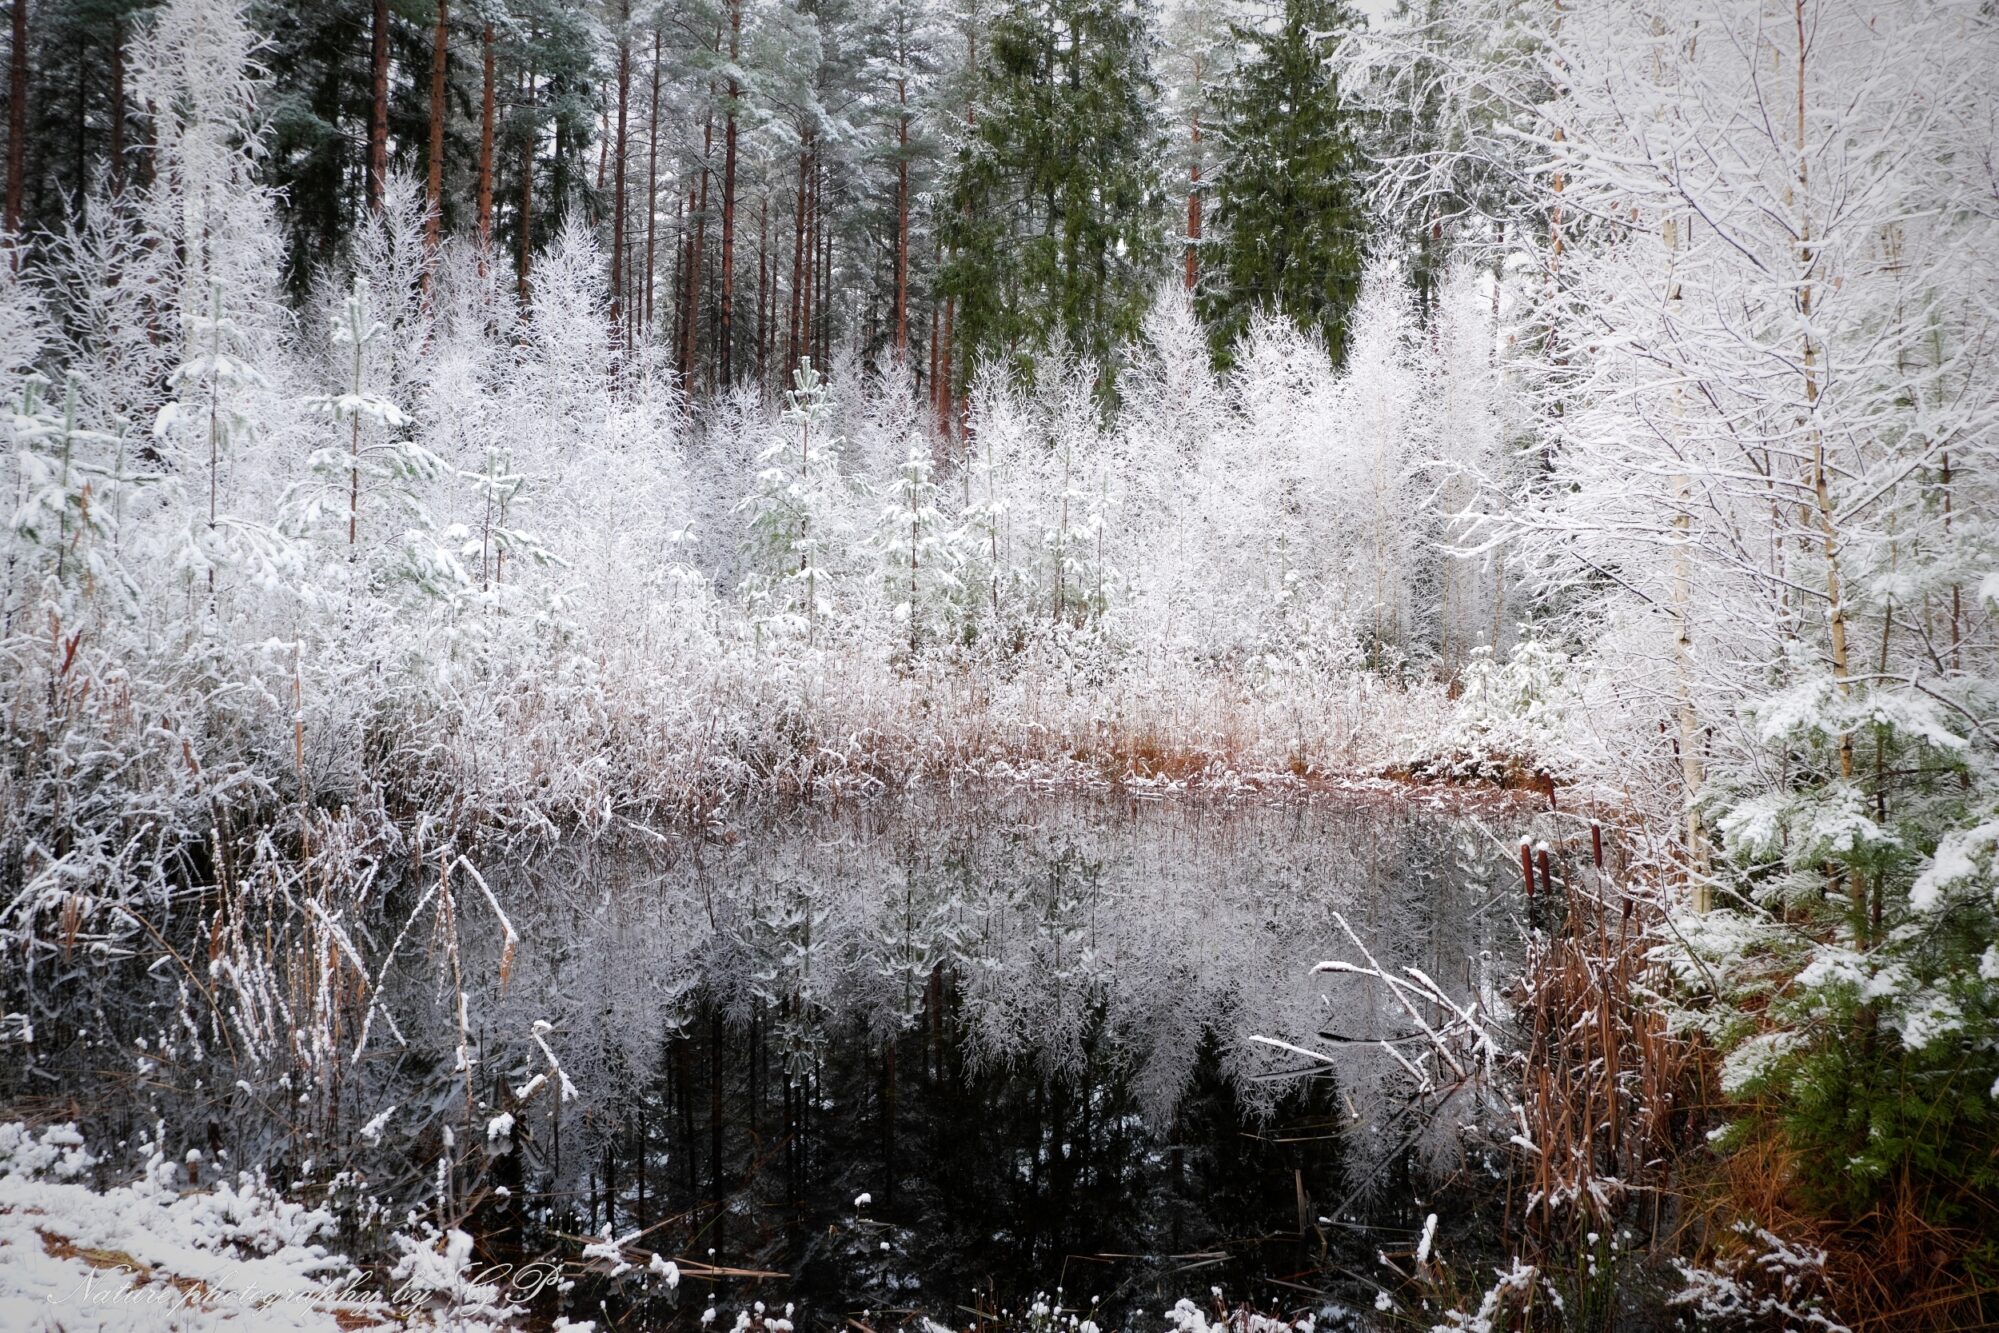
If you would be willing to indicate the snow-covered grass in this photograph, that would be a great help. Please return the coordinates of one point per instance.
(159, 1253)
(167, 1251)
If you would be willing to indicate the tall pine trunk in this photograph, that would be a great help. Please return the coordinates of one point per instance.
(727, 341)
(1194, 186)
(526, 262)
(825, 293)
(652, 180)
(763, 288)
(806, 327)
(117, 107)
(791, 344)
(696, 250)
(678, 281)
(487, 107)
(902, 186)
(936, 308)
(17, 117)
(434, 192)
(945, 374)
(618, 182)
(378, 107)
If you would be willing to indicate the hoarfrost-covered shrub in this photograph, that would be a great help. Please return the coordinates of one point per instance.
(1511, 715)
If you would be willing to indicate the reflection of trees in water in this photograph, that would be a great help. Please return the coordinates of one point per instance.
(1019, 1024)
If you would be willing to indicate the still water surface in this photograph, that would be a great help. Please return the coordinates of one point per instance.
(940, 1054)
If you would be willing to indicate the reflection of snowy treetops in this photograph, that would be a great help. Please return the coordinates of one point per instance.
(1071, 933)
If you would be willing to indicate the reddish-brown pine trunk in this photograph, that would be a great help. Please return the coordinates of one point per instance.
(117, 107)
(944, 387)
(527, 197)
(947, 372)
(902, 192)
(683, 208)
(930, 386)
(378, 107)
(618, 186)
(902, 245)
(679, 269)
(487, 117)
(811, 262)
(825, 291)
(1194, 196)
(764, 302)
(727, 341)
(695, 254)
(791, 344)
(17, 117)
(652, 178)
(434, 195)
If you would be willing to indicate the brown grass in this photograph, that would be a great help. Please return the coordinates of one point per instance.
(62, 1247)
(1619, 1106)
(1888, 1269)
(1608, 1090)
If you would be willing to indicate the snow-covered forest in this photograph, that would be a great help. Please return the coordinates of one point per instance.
(437, 433)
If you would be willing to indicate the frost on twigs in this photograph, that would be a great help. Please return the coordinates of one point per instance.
(1453, 1046)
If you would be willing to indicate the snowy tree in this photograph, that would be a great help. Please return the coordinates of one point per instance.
(1380, 407)
(794, 530)
(195, 70)
(72, 486)
(918, 552)
(1750, 274)
(209, 417)
(373, 463)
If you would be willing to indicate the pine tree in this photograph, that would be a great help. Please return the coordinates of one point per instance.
(1290, 234)
(1054, 203)
(919, 553)
(793, 513)
(69, 489)
(1198, 50)
(364, 465)
(205, 409)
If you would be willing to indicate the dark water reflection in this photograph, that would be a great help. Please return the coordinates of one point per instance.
(1019, 1024)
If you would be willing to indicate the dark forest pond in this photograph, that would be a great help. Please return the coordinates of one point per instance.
(939, 1055)
(930, 1055)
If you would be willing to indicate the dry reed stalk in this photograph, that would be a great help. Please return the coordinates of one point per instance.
(1609, 1082)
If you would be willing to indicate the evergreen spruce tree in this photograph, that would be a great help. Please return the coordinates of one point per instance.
(1054, 208)
(1290, 236)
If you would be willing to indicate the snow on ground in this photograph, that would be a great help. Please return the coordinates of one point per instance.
(161, 1254)
(158, 1254)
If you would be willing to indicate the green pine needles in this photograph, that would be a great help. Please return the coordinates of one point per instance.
(1290, 237)
(1053, 216)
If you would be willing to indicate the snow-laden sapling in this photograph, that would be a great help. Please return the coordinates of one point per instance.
(918, 550)
(794, 523)
(375, 461)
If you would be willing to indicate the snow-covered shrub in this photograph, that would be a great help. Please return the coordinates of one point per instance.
(1511, 717)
